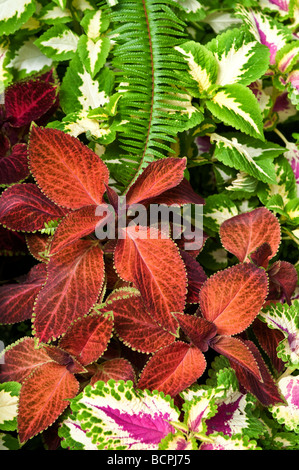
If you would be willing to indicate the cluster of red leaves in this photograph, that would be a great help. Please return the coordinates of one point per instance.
(149, 282)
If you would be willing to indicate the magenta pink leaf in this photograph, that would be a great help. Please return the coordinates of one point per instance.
(45, 394)
(232, 298)
(133, 324)
(155, 267)
(242, 234)
(115, 369)
(236, 350)
(20, 359)
(195, 275)
(26, 101)
(74, 282)
(157, 178)
(173, 368)
(17, 300)
(24, 207)
(198, 330)
(14, 166)
(66, 170)
(266, 390)
(88, 337)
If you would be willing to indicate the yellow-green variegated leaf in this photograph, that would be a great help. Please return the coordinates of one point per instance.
(235, 105)
(202, 66)
(27, 59)
(241, 59)
(95, 23)
(247, 154)
(93, 53)
(287, 56)
(81, 6)
(14, 13)
(58, 43)
(61, 3)
(178, 441)
(216, 210)
(9, 398)
(53, 14)
(8, 442)
(5, 76)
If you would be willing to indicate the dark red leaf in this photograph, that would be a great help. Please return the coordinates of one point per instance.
(39, 245)
(17, 300)
(262, 255)
(14, 166)
(182, 194)
(283, 280)
(115, 369)
(12, 243)
(24, 207)
(198, 330)
(195, 275)
(269, 339)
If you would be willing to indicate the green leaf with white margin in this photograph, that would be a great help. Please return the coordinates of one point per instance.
(216, 210)
(115, 416)
(178, 441)
(240, 58)
(202, 67)
(247, 154)
(8, 442)
(14, 13)
(9, 398)
(236, 106)
(213, 256)
(58, 43)
(286, 319)
(285, 185)
(79, 91)
(288, 414)
(93, 53)
(27, 59)
(53, 14)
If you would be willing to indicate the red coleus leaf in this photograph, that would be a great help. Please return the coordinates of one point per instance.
(39, 245)
(133, 324)
(20, 359)
(199, 330)
(236, 350)
(269, 339)
(14, 166)
(282, 281)
(17, 300)
(195, 275)
(243, 234)
(115, 369)
(43, 397)
(12, 243)
(266, 390)
(262, 255)
(155, 267)
(66, 170)
(181, 194)
(26, 101)
(232, 298)
(88, 337)
(24, 207)
(63, 358)
(173, 368)
(74, 282)
(157, 177)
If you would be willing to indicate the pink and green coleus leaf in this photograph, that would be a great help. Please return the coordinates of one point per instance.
(288, 413)
(232, 298)
(173, 368)
(88, 337)
(133, 324)
(243, 234)
(27, 101)
(44, 396)
(129, 419)
(74, 282)
(24, 207)
(66, 170)
(17, 300)
(156, 269)
(113, 369)
(14, 166)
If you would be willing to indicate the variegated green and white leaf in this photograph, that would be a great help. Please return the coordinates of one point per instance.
(9, 398)
(14, 13)
(216, 210)
(61, 3)
(221, 20)
(53, 14)
(288, 414)
(279, 6)
(93, 53)
(82, 6)
(286, 319)
(243, 183)
(200, 409)
(248, 155)
(5, 76)
(115, 416)
(236, 106)
(95, 23)
(178, 441)
(223, 442)
(79, 91)
(287, 57)
(240, 58)
(8, 442)
(58, 43)
(27, 59)
(202, 66)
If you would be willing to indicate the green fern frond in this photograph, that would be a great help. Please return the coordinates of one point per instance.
(145, 34)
